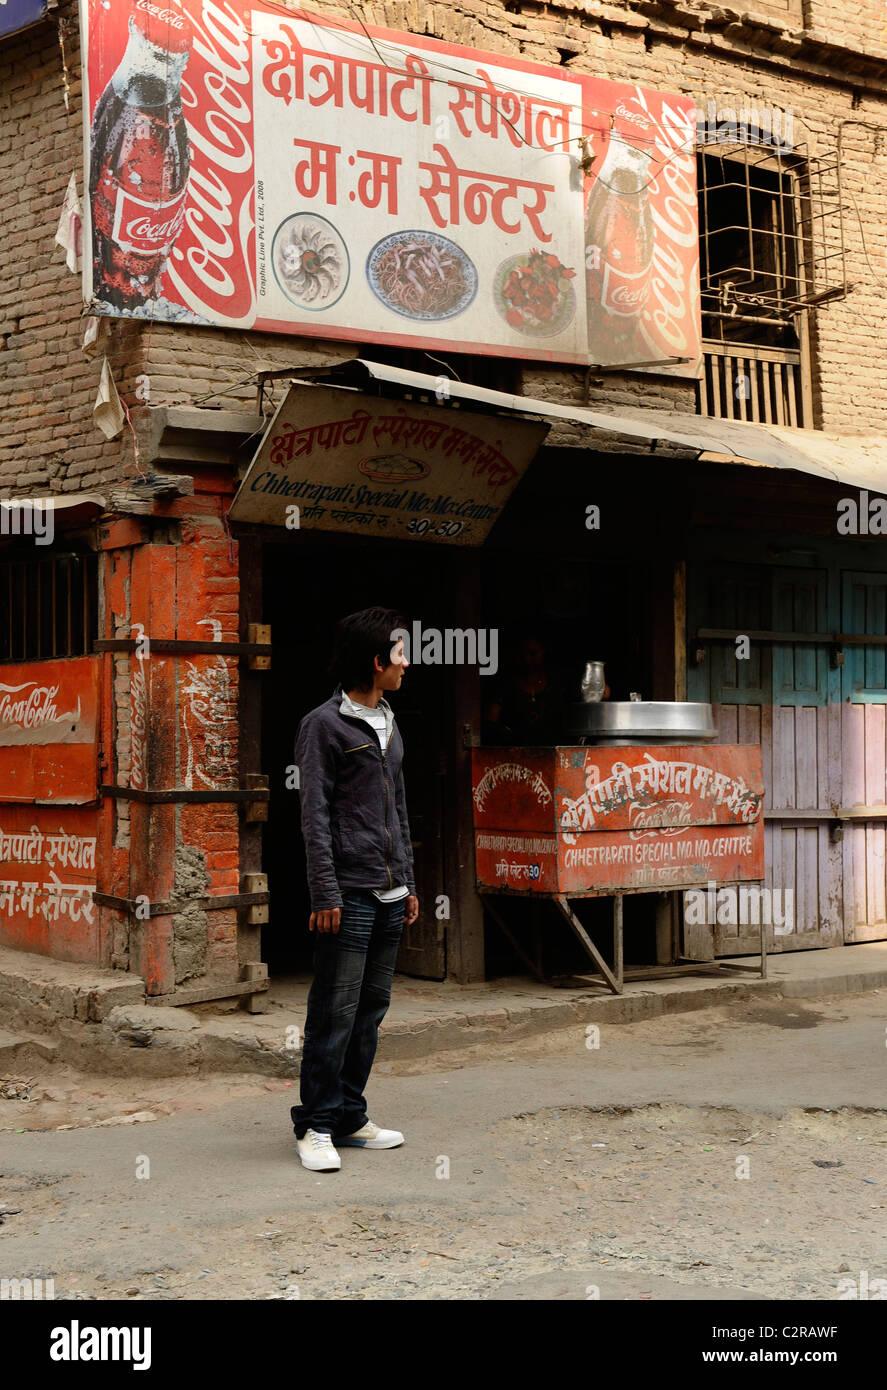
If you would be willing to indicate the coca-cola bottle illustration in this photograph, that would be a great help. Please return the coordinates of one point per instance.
(618, 255)
(140, 159)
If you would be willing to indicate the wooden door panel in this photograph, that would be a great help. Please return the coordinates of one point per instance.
(864, 756)
(800, 669)
(781, 702)
(740, 603)
(800, 858)
(423, 945)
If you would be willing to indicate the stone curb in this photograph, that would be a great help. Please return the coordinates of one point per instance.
(106, 1027)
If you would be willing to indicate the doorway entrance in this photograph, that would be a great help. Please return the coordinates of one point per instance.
(821, 726)
(308, 584)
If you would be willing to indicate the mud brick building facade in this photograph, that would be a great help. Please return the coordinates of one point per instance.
(152, 848)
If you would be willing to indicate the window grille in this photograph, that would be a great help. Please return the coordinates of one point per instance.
(48, 604)
(771, 239)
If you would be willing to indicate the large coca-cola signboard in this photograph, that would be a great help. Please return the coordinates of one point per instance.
(641, 227)
(253, 167)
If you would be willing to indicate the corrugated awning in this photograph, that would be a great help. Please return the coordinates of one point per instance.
(853, 460)
(70, 507)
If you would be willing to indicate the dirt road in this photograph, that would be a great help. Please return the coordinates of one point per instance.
(732, 1153)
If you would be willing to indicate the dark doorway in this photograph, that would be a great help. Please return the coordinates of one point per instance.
(584, 595)
(308, 584)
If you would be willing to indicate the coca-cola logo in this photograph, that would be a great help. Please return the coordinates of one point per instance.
(34, 705)
(166, 16)
(624, 293)
(671, 317)
(634, 116)
(143, 229)
(211, 266)
(629, 300)
(667, 818)
(136, 228)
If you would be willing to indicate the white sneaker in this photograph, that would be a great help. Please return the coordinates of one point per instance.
(317, 1152)
(372, 1137)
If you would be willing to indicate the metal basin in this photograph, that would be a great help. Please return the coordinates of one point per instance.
(617, 723)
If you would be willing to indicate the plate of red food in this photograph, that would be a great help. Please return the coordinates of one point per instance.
(421, 275)
(534, 293)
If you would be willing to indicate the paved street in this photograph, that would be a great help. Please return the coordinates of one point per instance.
(549, 1169)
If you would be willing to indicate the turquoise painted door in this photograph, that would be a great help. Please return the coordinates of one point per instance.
(783, 696)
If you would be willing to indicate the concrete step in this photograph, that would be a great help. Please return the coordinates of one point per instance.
(20, 1050)
(37, 993)
(100, 1021)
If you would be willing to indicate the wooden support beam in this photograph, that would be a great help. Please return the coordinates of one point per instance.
(613, 980)
(140, 496)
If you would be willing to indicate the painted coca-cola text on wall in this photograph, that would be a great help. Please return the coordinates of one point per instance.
(253, 167)
(48, 721)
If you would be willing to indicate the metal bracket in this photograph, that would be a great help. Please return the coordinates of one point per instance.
(208, 903)
(259, 637)
(257, 650)
(819, 639)
(163, 796)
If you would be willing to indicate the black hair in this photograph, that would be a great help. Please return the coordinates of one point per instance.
(359, 639)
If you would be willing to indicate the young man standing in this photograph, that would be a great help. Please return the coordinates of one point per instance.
(360, 873)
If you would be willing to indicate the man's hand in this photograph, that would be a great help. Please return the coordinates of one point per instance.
(411, 910)
(327, 920)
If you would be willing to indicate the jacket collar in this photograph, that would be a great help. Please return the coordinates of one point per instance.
(347, 706)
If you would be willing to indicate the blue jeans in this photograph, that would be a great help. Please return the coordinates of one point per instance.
(349, 997)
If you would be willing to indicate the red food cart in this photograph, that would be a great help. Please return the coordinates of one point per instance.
(585, 821)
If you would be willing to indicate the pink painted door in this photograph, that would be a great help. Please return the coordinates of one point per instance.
(864, 758)
(800, 750)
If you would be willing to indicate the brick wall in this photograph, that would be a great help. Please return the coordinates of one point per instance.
(47, 386)
(861, 25)
(174, 724)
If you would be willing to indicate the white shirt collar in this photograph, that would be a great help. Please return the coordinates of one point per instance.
(349, 706)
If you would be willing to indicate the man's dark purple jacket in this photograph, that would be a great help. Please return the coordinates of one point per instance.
(354, 813)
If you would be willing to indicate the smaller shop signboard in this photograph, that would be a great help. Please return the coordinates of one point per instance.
(335, 460)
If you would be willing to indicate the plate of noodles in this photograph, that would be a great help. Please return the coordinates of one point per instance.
(421, 275)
